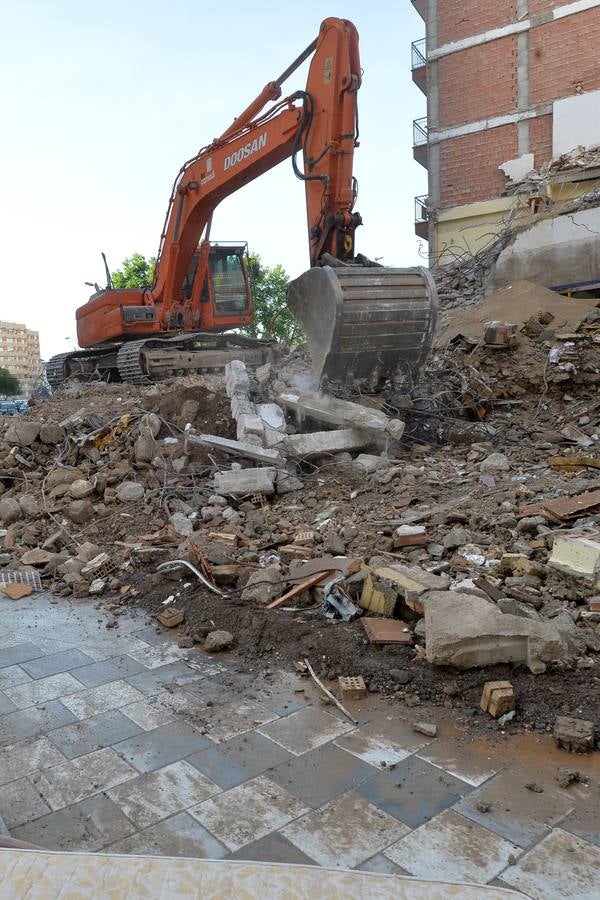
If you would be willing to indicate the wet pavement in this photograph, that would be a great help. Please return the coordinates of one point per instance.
(115, 740)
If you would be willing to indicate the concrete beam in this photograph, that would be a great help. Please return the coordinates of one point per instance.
(344, 413)
(244, 482)
(303, 446)
(244, 449)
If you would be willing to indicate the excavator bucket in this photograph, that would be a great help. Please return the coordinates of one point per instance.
(365, 324)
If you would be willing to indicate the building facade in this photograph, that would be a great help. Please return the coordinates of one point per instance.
(20, 354)
(512, 90)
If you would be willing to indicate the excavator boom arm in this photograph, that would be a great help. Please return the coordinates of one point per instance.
(319, 122)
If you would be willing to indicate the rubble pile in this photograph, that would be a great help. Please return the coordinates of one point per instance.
(427, 541)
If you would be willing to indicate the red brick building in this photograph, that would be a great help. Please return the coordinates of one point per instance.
(506, 81)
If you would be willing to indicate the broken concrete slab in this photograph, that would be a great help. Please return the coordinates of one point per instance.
(574, 735)
(271, 415)
(368, 462)
(263, 585)
(466, 632)
(577, 553)
(303, 446)
(241, 482)
(22, 432)
(250, 427)
(236, 378)
(237, 448)
(342, 412)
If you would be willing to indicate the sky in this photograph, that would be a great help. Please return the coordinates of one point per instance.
(103, 101)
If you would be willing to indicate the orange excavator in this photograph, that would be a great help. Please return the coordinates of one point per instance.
(364, 323)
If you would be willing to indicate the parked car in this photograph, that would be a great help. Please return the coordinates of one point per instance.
(22, 405)
(8, 408)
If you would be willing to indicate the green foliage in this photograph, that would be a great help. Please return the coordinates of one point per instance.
(9, 384)
(137, 272)
(272, 318)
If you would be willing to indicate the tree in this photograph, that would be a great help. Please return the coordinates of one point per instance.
(136, 272)
(9, 383)
(272, 318)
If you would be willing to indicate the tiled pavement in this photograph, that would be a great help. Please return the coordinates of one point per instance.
(117, 740)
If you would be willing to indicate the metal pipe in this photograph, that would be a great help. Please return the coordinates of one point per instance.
(175, 563)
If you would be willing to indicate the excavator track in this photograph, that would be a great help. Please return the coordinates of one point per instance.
(156, 358)
(365, 325)
(129, 363)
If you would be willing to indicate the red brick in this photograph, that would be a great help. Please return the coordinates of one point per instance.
(540, 139)
(478, 82)
(469, 165)
(539, 7)
(458, 19)
(564, 57)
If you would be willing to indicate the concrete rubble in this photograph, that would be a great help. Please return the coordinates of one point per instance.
(465, 513)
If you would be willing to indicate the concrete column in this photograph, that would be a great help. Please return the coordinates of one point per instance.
(523, 137)
(433, 119)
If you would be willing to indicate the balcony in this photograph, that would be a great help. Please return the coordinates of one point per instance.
(421, 8)
(420, 141)
(419, 63)
(422, 216)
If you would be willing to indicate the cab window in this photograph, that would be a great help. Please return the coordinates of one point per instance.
(229, 284)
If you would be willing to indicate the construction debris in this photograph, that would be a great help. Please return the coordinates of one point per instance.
(574, 735)
(352, 687)
(498, 698)
(458, 519)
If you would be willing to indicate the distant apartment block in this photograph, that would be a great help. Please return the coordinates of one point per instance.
(20, 354)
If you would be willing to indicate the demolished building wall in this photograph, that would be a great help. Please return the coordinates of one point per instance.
(485, 136)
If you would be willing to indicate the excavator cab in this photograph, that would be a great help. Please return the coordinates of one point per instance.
(219, 277)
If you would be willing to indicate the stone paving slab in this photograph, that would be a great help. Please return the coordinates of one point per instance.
(157, 680)
(454, 848)
(239, 759)
(83, 777)
(149, 713)
(344, 833)
(248, 812)
(21, 802)
(54, 663)
(157, 795)
(305, 730)
(19, 653)
(514, 812)
(319, 775)
(6, 704)
(414, 791)
(100, 699)
(273, 848)
(561, 865)
(154, 749)
(35, 692)
(237, 717)
(383, 743)
(36, 720)
(179, 835)
(463, 759)
(262, 771)
(18, 760)
(88, 825)
(114, 669)
(13, 675)
(99, 731)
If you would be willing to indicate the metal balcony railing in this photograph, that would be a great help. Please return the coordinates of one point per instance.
(419, 53)
(420, 132)
(421, 209)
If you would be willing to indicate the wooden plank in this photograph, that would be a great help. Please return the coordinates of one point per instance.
(300, 588)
